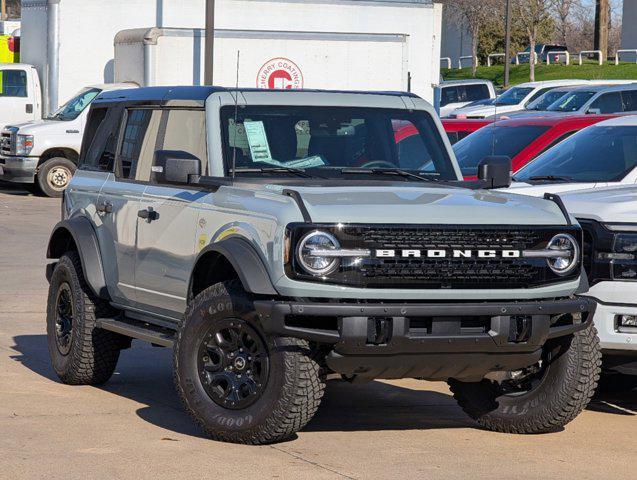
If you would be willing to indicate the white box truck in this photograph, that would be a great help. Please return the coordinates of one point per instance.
(267, 59)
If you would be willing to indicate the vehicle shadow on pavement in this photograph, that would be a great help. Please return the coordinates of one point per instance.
(14, 189)
(144, 375)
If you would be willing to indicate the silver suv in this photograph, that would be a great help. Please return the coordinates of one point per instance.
(273, 238)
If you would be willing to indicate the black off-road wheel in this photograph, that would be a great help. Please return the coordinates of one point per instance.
(81, 353)
(54, 175)
(542, 398)
(241, 385)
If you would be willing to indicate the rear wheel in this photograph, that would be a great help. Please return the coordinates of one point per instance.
(239, 384)
(539, 399)
(81, 353)
(54, 176)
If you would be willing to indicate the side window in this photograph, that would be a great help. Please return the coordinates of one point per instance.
(608, 103)
(99, 144)
(185, 130)
(538, 94)
(477, 92)
(630, 100)
(449, 95)
(135, 149)
(150, 130)
(13, 83)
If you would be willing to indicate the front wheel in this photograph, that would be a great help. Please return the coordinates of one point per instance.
(55, 175)
(241, 385)
(539, 399)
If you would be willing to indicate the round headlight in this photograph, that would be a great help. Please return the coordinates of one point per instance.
(566, 253)
(312, 243)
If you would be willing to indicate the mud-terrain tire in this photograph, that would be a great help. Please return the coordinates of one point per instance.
(54, 175)
(287, 394)
(564, 390)
(81, 353)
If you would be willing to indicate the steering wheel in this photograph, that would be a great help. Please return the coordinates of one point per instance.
(378, 164)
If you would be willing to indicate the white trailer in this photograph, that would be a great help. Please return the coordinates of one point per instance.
(70, 42)
(267, 59)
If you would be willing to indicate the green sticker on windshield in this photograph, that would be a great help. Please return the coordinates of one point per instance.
(258, 142)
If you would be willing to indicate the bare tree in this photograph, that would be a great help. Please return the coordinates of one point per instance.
(473, 15)
(533, 15)
(563, 10)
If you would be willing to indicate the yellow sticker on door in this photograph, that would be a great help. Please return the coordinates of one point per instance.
(203, 240)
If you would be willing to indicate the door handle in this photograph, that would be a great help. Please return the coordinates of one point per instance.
(149, 214)
(105, 207)
(29, 108)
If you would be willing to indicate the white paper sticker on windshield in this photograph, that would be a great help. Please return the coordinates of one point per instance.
(258, 141)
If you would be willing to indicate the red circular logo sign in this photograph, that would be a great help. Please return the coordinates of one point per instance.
(280, 74)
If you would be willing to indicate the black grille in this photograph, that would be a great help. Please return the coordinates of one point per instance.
(448, 272)
(6, 141)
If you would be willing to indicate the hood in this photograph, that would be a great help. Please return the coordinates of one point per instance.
(485, 110)
(608, 205)
(43, 126)
(425, 205)
(539, 190)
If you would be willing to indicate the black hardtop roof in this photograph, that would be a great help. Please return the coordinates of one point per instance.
(162, 95)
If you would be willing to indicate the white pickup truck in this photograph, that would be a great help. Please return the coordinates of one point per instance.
(44, 153)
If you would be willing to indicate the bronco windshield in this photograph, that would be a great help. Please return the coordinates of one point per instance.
(329, 142)
(513, 96)
(596, 154)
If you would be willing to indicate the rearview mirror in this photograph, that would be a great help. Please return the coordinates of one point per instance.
(175, 166)
(495, 171)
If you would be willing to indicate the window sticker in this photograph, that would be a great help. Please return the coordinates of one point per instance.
(258, 142)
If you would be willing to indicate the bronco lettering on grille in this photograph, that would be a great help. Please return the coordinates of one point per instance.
(441, 253)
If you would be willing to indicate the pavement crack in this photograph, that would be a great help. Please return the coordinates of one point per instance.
(310, 462)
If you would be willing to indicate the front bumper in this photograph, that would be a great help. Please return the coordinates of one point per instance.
(18, 169)
(615, 298)
(430, 340)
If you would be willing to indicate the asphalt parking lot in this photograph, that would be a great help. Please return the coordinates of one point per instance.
(134, 427)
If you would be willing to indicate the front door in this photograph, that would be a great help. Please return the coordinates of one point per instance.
(167, 220)
(16, 97)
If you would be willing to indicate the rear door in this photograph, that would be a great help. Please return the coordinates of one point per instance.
(166, 240)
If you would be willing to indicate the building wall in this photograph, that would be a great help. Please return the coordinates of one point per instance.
(629, 32)
(456, 40)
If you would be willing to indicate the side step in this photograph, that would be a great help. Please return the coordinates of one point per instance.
(140, 330)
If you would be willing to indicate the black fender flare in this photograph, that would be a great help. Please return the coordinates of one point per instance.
(81, 230)
(245, 261)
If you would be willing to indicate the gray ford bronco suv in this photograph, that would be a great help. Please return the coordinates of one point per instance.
(272, 238)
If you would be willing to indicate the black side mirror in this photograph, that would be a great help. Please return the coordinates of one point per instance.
(175, 166)
(495, 171)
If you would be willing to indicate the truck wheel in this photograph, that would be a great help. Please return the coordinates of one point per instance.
(240, 385)
(54, 176)
(81, 354)
(539, 399)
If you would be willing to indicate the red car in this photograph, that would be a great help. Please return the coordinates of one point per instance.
(459, 129)
(521, 139)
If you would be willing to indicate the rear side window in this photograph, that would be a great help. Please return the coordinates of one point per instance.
(99, 145)
(630, 100)
(13, 83)
(149, 130)
(608, 103)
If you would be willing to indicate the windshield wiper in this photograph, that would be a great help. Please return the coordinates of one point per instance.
(550, 178)
(297, 171)
(387, 171)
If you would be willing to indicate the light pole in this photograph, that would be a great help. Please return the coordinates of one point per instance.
(507, 45)
(210, 42)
